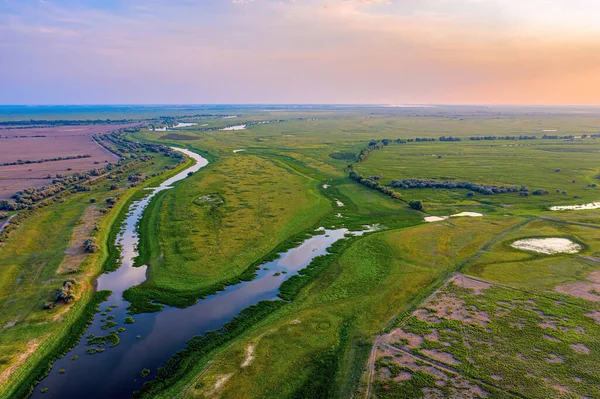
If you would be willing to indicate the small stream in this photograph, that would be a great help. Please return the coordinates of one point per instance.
(154, 337)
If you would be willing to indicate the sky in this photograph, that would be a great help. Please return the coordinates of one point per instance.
(300, 51)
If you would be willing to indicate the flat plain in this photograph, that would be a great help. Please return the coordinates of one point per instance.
(408, 309)
(31, 157)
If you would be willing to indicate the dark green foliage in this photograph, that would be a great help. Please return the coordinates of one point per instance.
(112, 338)
(145, 373)
(348, 156)
(129, 320)
(416, 204)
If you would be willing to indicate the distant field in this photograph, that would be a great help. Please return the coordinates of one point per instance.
(61, 141)
(551, 165)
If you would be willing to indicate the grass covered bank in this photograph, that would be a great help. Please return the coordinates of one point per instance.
(215, 227)
(31, 271)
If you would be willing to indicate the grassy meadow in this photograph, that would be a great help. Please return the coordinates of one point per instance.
(215, 227)
(322, 339)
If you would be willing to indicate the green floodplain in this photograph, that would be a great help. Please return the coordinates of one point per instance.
(414, 309)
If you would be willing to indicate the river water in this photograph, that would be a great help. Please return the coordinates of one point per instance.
(154, 337)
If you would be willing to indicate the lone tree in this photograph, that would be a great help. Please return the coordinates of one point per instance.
(416, 204)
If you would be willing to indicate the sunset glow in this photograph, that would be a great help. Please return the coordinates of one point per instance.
(302, 51)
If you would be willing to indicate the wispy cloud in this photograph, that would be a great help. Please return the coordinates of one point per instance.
(480, 51)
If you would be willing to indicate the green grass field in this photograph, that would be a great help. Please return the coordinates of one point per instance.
(223, 219)
(216, 226)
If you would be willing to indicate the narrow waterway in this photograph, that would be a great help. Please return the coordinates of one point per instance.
(154, 337)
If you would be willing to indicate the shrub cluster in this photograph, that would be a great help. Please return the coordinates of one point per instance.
(448, 184)
(29, 161)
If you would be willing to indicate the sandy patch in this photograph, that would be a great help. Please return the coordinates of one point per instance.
(338, 202)
(431, 219)
(75, 254)
(548, 246)
(325, 185)
(240, 150)
(237, 127)
(31, 347)
(249, 356)
(467, 214)
(592, 205)
(9, 325)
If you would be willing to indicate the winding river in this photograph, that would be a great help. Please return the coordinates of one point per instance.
(154, 337)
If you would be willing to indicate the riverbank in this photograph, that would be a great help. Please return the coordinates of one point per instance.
(49, 338)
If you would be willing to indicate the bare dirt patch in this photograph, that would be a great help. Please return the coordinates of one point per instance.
(75, 253)
(477, 286)
(443, 357)
(589, 289)
(31, 347)
(581, 349)
(595, 316)
(249, 356)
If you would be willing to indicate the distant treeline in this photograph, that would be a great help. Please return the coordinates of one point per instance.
(28, 161)
(37, 136)
(61, 122)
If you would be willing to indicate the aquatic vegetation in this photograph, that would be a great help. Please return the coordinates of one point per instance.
(112, 338)
(109, 325)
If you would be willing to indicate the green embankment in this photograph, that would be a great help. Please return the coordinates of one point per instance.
(29, 264)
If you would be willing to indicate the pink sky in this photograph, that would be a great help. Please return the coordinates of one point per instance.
(302, 51)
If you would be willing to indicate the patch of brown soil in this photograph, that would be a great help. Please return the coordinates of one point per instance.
(581, 349)
(595, 316)
(453, 308)
(75, 254)
(477, 286)
(414, 340)
(443, 357)
(403, 376)
(551, 339)
(587, 290)
(552, 358)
